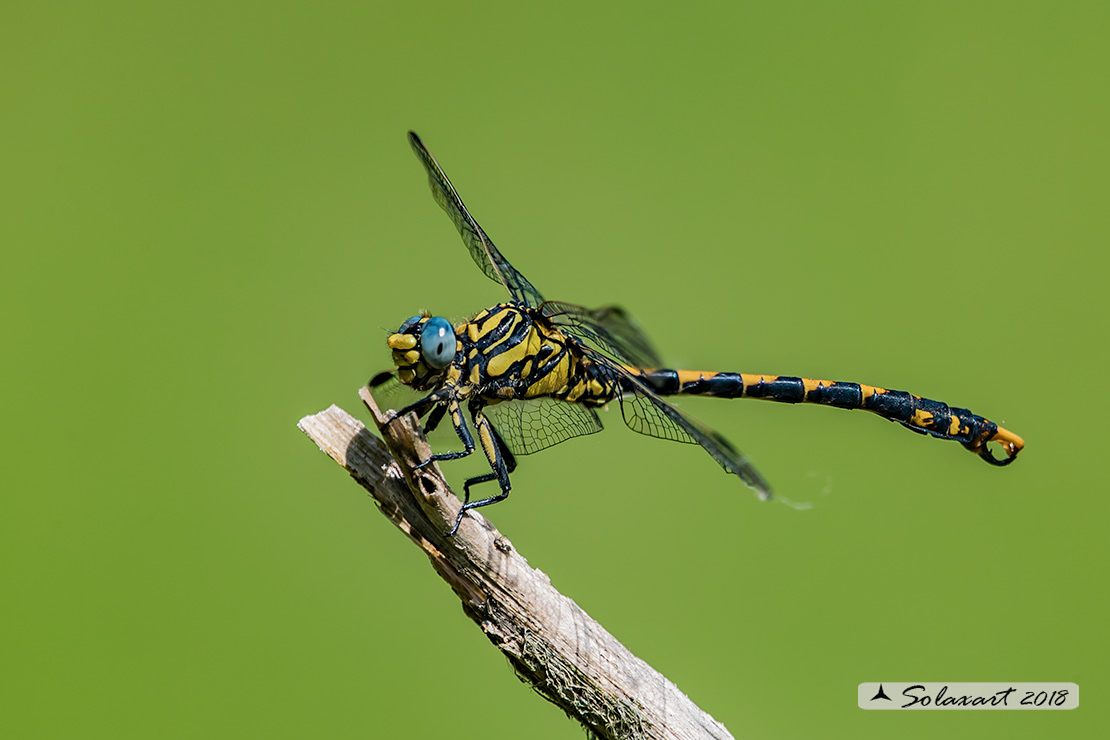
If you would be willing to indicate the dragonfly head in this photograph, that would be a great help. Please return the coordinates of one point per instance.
(423, 348)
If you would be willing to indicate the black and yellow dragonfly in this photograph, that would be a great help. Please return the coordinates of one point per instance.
(531, 373)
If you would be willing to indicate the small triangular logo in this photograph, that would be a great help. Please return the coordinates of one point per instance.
(881, 695)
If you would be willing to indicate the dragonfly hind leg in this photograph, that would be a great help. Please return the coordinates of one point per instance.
(501, 460)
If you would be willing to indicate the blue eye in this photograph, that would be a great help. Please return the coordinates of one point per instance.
(437, 342)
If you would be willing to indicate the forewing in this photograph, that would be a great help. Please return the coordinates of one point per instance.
(485, 254)
(645, 412)
(610, 329)
(535, 424)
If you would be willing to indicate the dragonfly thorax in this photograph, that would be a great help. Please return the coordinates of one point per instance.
(513, 351)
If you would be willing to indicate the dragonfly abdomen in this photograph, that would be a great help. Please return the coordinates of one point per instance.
(922, 415)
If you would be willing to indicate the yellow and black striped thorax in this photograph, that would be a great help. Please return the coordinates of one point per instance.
(509, 351)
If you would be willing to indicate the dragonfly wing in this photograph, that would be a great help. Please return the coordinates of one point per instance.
(485, 254)
(390, 393)
(645, 412)
(535, 424)
(610, 329)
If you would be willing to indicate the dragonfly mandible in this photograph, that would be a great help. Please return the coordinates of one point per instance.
(532, 373)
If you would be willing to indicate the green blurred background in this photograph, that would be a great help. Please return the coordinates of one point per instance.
(211, 219)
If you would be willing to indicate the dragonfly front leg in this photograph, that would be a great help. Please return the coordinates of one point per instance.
(500, 459)
(430, 402)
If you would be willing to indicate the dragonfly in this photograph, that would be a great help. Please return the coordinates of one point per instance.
(532, 373)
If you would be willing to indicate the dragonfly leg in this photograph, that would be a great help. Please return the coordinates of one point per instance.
(425, 404)
(434, 418)
(500, 459)
(461, 429)
(506, 455)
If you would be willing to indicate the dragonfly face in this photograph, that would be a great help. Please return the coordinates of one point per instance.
(424, 347)
(532, 371)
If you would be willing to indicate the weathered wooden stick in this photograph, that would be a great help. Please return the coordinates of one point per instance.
(552, 644)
